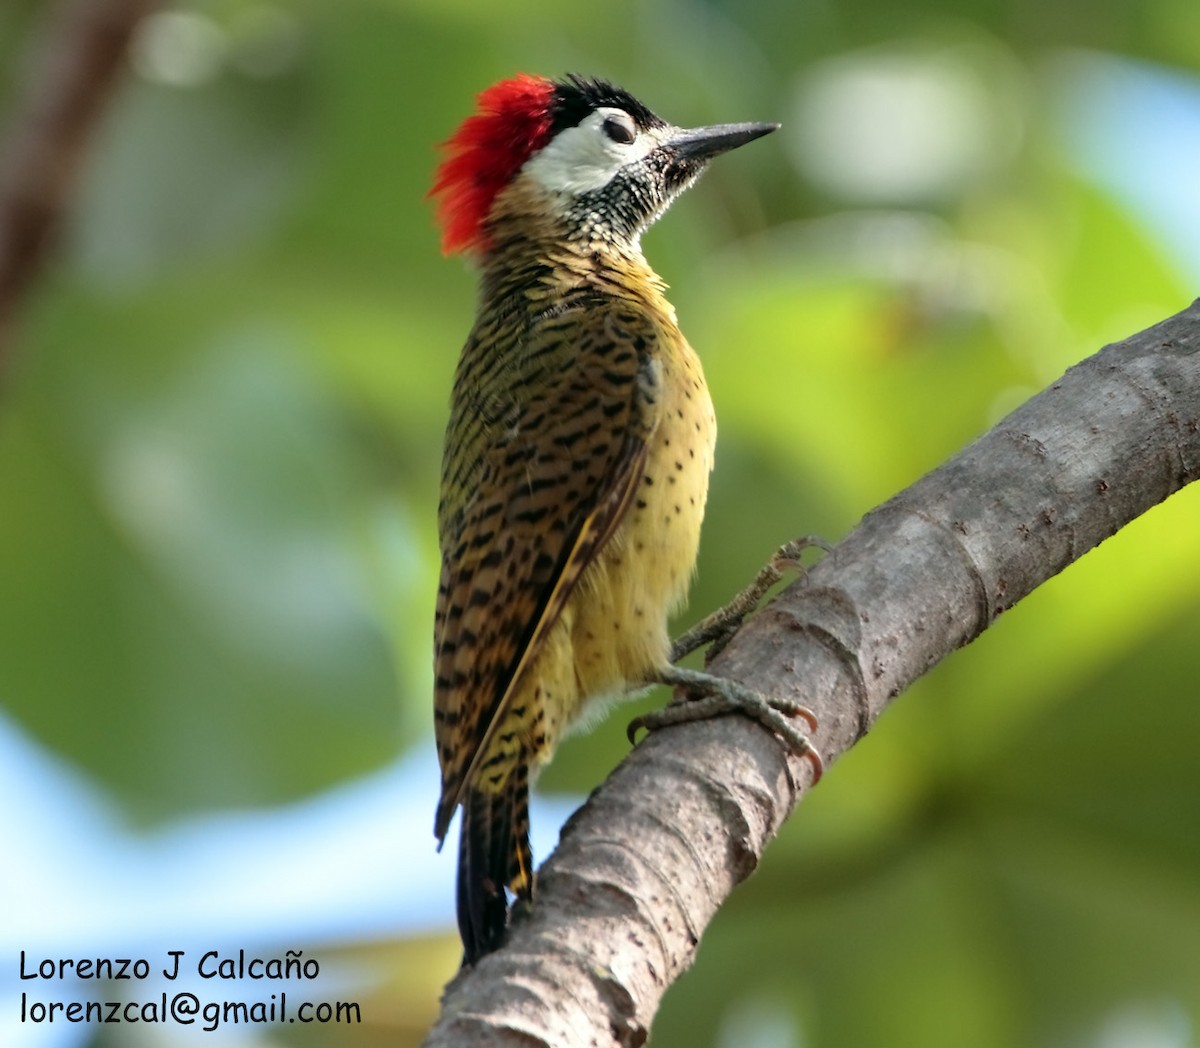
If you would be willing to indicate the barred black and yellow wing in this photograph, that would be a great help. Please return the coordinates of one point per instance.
(538, 474)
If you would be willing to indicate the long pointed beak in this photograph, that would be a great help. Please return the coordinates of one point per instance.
(701, 143)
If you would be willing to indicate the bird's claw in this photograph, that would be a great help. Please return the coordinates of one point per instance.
(717, 629)
(714, 696)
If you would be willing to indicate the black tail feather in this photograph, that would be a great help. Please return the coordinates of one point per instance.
(493, 854)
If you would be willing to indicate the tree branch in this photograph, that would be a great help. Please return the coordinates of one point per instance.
(643, 866)
(69, 89)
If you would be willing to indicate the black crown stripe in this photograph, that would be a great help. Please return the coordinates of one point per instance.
(576, 97)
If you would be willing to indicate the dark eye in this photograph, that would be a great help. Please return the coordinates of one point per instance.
(620, 129)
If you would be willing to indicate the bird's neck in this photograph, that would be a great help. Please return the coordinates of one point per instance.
(534, 256)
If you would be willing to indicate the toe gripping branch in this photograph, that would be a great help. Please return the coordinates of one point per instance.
(713, 696)
(717, 630)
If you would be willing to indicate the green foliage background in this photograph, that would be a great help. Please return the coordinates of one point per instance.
(220, 441)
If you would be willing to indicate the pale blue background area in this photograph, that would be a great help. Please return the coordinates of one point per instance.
(357, 862)
(1135, 130)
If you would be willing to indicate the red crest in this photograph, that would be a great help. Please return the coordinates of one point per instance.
(512, 121)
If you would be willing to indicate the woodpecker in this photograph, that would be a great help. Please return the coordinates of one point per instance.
(577, 454)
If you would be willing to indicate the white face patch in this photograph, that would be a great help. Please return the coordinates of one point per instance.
(584, 158)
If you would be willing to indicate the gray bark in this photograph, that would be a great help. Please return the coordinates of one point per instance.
(643, 866)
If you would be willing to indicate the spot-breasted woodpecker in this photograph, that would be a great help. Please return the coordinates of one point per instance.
(577, 454)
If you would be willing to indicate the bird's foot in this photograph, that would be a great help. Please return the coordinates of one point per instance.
(712, 696)
(717, 629)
